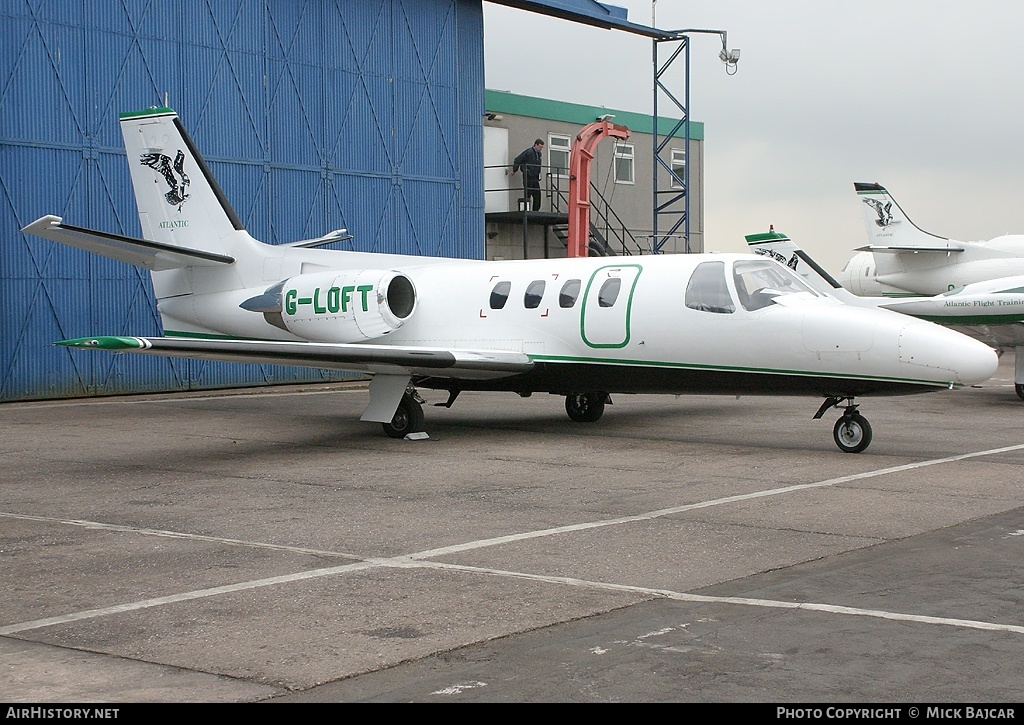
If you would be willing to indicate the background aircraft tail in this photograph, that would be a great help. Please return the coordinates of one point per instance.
(888, 226)
(784, 250)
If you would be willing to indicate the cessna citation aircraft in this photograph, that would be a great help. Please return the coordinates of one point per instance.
(992, 312)
(582, 327)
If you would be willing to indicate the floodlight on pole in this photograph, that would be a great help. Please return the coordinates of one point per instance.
(730, 57)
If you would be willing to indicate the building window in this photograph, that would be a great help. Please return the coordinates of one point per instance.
(678, 168)
(499, 295)
(558, 155)
(624, 163)
(534, 293)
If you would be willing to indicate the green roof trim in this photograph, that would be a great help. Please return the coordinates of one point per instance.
(517, 105)
(148, 112)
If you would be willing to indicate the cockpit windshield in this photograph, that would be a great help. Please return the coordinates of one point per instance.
(760, 282)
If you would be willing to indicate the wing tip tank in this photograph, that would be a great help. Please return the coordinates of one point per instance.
(106, 342)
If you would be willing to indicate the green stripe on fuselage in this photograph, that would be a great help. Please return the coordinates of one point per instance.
(973, 319)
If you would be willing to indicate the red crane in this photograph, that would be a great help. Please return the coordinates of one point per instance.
(580, 157)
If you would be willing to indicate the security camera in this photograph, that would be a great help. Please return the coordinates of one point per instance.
(606, 117)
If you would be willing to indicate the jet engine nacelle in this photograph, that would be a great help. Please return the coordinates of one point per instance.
(349, 306)
(861, 276)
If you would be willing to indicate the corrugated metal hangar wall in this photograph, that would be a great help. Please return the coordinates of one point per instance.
(314, 115)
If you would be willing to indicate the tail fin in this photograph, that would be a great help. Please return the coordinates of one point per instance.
(784, 250)
(178, 199)
(888, 226)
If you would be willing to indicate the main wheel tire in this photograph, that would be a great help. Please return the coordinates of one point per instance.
(1019, 387)
(585, 407)
(408, 419)
(852, 433)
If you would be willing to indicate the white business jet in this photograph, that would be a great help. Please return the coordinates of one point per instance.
(582, 328)
(990, 311)
(901, 258)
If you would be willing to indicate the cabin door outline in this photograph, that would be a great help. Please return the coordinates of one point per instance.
(608, 327)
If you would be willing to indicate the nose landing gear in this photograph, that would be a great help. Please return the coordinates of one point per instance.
(852, 432)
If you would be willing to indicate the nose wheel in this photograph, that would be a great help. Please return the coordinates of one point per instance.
(852, 432)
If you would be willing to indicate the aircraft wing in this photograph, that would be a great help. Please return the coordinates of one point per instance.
(155, 256)
(384, 359)
(1001, 337)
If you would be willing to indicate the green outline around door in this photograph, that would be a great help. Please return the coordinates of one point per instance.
(629, 306)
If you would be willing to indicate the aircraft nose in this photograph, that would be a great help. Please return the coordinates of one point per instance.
(967, 360)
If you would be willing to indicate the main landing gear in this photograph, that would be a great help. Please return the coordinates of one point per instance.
(586, 407)
(408, 418)
(852, 432)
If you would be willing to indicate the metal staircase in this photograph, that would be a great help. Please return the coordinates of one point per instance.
(609, 236)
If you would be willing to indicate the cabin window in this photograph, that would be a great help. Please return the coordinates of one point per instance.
(499, 295)
(707, 290)
(760, 283)
(609, 292)
(533, 295)
(570, 291)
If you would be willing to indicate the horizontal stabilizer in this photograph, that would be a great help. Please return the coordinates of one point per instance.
(907, 248)
(154, 256)
(338, 235)
(391, 359)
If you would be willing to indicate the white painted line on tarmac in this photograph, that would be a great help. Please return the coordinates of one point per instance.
(433, 553)
(418, 559)
(96, 525)
(185, 596)
(742, 601)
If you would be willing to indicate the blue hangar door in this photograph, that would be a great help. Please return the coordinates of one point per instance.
(314, 115)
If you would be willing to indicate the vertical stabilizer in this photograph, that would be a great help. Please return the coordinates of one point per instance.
(886, 223)
(785, 251)
(179, 201)
(181, 205)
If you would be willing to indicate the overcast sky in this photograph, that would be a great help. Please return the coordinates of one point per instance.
(922, 96)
